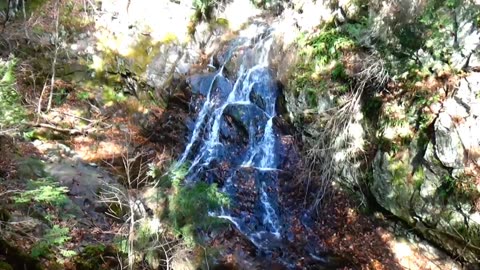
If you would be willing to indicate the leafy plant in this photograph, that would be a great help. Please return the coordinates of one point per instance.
(111, 96)
(11, 110)
(203, 9)
(95, 257)
(463, 188)
(43, 190)
(54, 238)
(189, 207)
(418, 177)
(372, 107)
(60, 96)
(327, 45)
(83, 95)
(322, 67)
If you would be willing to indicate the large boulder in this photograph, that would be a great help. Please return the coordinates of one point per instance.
(432, 186)
(248, 118)
(448, 146)
(466, 39)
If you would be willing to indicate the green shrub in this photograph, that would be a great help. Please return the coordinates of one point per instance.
(203, 9)
(372, 108)
(322, 67)
(94, 257)
(328, 45)
(11, 110)
(189, 207)
(43, 190)
(5, 266)
(54, 238)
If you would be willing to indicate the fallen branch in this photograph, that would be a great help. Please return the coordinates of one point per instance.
(9, 191)
(59, 129)
(78, 117)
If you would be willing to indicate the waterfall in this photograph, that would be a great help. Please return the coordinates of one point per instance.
(238, 129)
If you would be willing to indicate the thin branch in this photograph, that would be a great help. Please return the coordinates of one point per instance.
(59, 129)
(54, 63)
(39, 107)
(25, 20)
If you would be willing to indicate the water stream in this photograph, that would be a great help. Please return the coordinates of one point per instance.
(235, 143)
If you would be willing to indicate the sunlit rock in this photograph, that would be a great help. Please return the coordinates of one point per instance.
(448, 145)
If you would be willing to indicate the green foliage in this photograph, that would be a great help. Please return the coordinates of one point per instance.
(11, 110)
(322, 68)
(328, 45)
(372, 107)
(92, 251)
(153, 171)
(177, 174)
(45, 191)
(463, 188)
(60, 96)
(5, 266)
(83, 95)
(439, 20)
(31, 168)
(399, 170)
(425, 45)
(357, 31)
(338, 72)
(418, 177)
(34, 5)
(189, 206)
(68, 253)
(203, 9)
(94, 257)
(448, 186)
(54, 238)
(112, 96)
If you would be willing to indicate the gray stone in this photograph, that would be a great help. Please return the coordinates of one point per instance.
(160, 71)
(448, 146)
(468, 89)
(430, 184)
(390, 193)
(455, 108)
(474, 60)
(467, 40)
(325, 103)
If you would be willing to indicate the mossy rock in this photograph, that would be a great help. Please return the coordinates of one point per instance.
(15, 258)
(31, 168)
(4, 215)
(93, 257)
(46, 134)
(5, 266)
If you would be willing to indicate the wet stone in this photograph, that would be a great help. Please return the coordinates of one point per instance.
(248, 118)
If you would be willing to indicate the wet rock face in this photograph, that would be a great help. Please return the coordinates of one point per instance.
(438, 193)
(240, 140)
(248, 118)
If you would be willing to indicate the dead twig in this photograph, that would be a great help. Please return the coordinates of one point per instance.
(54, 63)
(39, 106)
(59, 129)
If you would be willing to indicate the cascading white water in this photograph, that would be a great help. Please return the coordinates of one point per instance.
(207, 149)
(235, 143)
(201, 117)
